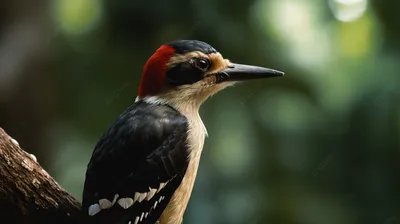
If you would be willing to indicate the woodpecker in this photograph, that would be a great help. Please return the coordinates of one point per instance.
(144, 166)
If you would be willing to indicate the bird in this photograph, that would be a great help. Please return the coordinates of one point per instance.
(143, 168)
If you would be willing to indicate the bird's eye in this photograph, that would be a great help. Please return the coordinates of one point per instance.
(201, 64)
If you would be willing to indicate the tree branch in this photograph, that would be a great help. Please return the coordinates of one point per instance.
(28, 194)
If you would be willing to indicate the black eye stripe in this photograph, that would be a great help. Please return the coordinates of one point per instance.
(188, 72)
(183, 73)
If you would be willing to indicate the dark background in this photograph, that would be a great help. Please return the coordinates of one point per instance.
(317, 146)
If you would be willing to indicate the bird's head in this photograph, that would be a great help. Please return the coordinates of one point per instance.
(186, 72)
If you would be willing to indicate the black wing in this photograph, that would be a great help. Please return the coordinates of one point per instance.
(136, 166)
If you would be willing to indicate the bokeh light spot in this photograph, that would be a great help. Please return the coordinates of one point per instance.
(78, 16)
(348, 10)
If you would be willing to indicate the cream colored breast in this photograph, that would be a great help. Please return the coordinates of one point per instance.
(173, 214)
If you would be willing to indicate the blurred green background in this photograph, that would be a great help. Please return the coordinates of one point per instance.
(317, 146)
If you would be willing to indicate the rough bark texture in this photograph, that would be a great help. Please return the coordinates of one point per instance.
(28, 194)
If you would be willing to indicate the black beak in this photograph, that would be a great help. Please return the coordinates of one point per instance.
(238, 72)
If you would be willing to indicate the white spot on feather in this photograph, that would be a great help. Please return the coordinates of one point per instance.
(125, 202)
(136, 220)
(116, 196)
(162, 185)
(136, 197)
(105, 203)
(155, 204)
(151, 193)
(141, 217)
(142, 197)
(145, 215)
(94, 209)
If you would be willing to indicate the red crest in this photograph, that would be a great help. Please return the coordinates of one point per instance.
(154, 71)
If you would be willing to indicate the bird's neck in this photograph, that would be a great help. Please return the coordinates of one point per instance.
(188, 106)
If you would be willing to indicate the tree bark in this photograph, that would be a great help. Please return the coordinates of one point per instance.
(28, 194)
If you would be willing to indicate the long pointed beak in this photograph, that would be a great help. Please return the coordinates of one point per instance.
(239, 72)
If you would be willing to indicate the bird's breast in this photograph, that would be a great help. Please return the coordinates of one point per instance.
(176, 208)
